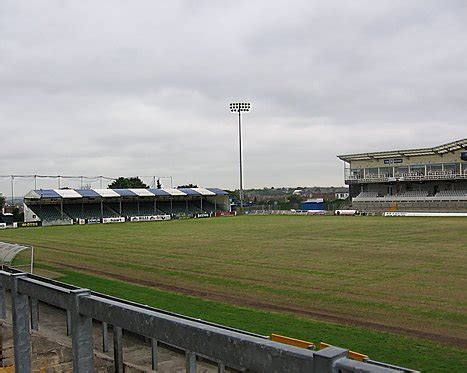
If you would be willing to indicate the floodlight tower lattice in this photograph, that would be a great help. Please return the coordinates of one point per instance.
(239, 107)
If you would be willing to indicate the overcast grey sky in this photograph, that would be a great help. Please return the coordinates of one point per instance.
(143, 87)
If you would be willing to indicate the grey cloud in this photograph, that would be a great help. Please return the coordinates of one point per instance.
(142, 88)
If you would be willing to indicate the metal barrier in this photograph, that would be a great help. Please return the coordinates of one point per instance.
(224, 346)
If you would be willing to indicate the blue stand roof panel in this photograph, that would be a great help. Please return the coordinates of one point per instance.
(88, 193)
(190, 192)
(160, 192)
(48, 193)
(125, 192)
(218, 191)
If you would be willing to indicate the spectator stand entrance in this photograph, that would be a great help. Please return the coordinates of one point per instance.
(80, 206)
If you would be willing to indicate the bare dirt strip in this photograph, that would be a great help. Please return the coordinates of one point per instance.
(241, 301)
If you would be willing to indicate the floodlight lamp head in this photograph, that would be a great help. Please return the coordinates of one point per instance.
(240, 106)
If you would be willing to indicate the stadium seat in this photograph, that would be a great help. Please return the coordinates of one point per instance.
(144, 209)
(179, 208)
(88, 211)
(452, 193)
(49, 212)
(195, 207)
(164, 207)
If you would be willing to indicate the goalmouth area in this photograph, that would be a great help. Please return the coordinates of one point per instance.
(405, 276)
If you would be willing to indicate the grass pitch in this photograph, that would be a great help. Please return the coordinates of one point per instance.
(418, 354)
(406, 275)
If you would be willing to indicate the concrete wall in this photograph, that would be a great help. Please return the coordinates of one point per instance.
(29, 215)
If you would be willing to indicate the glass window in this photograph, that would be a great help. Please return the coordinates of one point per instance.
(402, 170)
(450, 168)
(417, 169)
(372, 172)
(434, 168)
(356, 173)
(386, 172)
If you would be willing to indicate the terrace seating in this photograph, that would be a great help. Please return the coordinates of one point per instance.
(419, 197)
(209, 207)
(110, 213)
(79, 212)
(88, 211)
(147, 208)
(144, 209)
(452, 193)
(114, 206)
(414, 193)
(49, 212)
(130, 209)
(179, 208)
(195, 207)
(112, 209)
(164, 207)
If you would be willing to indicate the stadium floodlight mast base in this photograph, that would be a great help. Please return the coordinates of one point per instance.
(239, 107)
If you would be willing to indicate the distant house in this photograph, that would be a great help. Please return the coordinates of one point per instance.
(330, 194)
(342, 195)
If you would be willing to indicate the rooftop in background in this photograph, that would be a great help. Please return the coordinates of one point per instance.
(437, 150)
